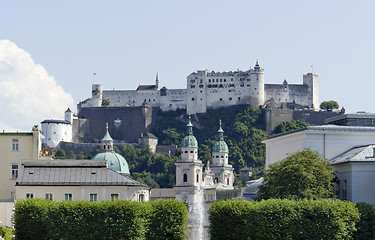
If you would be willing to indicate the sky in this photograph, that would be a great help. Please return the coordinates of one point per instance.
(49, 50)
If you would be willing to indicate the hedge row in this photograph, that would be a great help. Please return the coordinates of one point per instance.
(120, 219)
(283, 219)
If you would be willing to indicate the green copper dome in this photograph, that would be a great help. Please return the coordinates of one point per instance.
(221, 145)
(189, 140)
(115, 161)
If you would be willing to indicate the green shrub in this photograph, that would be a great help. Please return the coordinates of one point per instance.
(366, 225)
(120, 219)
(168, 220)
(30, 219)
(6, 233)
(283, 219)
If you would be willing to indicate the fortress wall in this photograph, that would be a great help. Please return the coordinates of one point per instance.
(175, 99)
(125, 123)
(121, 98)
(287, 93)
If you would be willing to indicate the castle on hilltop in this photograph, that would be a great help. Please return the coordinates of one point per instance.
(213, 90)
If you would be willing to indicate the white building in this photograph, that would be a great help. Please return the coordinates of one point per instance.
(349, 149)
(207, 89)
(55, 131)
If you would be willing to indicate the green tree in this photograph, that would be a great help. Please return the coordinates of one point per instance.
(287, 126)
(60, 154)
(303, 174)
(329, 105)
(106, 102)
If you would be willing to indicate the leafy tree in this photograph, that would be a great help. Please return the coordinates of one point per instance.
(82, 155)
(329, 105)
(72, 155)
(287, 126)
(106, 102)
(303, 174)
(60, 154)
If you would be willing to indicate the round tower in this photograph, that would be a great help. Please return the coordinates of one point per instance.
(257, 85)
(97, 95)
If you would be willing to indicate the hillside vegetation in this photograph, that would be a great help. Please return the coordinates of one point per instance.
(244, 130)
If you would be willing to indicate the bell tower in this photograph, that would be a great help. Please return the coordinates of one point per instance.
(188, 168)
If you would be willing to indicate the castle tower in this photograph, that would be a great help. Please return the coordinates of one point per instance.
(97, 95)
(188, 168)
(312, 82)
(196, 100)
(69, 116)
(256, 93)
(220, 167)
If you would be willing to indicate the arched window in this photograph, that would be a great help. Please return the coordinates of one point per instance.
(216, 180)
(185, 177)
(141, 197)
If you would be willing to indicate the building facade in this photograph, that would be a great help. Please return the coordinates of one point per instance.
(14, 148)
(77, 180)
(207, 89)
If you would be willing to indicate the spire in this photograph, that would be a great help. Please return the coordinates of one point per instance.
(107, 136)
(190, 127)
(221, 133)
(157, 80)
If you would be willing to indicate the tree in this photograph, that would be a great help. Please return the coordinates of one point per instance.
(329, 105)
(303, 174)
(287, 126)
(106, 102)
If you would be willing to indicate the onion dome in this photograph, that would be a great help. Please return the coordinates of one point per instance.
(115, 161)
(189, 141)
(220, 145)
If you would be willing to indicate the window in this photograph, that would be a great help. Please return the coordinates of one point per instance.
(68, 197)
(93, 197)
(114, 196)
(230, 99)
(185, 177)
(14, 171)
(15, 144)
(141, 197)
(197, 177)
(221, 99)
(49, 196)
(192, 99)
(29, 195)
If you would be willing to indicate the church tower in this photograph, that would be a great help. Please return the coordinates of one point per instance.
(188, 168)
(220, 167)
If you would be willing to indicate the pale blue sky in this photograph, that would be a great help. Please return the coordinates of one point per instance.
(127, 42)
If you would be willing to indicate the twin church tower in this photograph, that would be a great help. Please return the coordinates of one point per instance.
(190, 176)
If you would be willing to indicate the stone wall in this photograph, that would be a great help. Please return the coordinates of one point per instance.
(125, 123)
(277, 116)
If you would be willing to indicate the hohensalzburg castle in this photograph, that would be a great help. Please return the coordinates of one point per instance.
(212, 90)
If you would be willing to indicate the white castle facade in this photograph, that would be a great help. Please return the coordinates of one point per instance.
(212, 90)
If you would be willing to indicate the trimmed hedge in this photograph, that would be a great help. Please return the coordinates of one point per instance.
(366, 226)
(168, 220)
(283, 219)
(120, 219)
